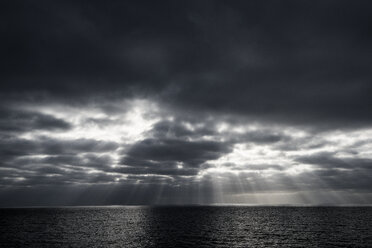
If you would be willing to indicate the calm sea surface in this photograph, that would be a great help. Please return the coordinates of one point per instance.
(187, 227)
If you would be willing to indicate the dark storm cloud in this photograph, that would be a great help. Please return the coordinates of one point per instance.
(328, 160)
(260, 137)
(55, 170)
(170, 151)
(178, 129)
(198, 128)
(52, 177)
(150, 168)
(74, 161)
(52, 162)
(11, 148)
(294, 62)
(13, 120)
(51, 146)
(190, 153)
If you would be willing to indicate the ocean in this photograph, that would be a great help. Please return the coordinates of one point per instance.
(191, 226)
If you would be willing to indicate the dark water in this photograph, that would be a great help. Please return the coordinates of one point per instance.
(186, 227)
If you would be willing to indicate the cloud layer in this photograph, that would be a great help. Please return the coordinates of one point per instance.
(195, 102)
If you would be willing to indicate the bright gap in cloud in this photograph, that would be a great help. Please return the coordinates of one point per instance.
(127, 124)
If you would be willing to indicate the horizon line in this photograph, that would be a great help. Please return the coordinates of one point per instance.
(186, 205)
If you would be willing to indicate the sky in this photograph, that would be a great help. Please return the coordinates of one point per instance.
(185, 102)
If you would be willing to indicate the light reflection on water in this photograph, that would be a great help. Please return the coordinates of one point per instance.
(187, 227)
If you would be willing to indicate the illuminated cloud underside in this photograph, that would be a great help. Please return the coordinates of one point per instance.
(188, 160)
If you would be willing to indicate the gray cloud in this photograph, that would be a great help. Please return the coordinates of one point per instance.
(13, 120)
(268, 66)
(178, 129)
(170, 156)
(328, 160)
(260, 137)
(64, 151)
(191, 154)
(300, 66)
(259, 167)
(151, 168)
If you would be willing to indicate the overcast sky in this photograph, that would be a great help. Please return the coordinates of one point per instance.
(185, 102)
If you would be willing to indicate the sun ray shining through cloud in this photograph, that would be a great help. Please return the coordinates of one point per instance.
(142, 139)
